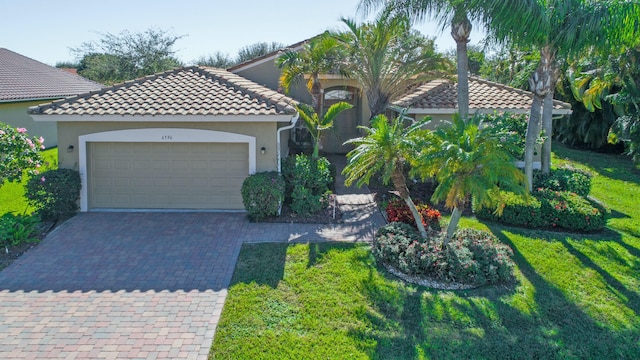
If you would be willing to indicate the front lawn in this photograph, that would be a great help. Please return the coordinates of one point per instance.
(577, 296)
(12, 194)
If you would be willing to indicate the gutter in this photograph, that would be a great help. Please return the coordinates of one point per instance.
(294, 120)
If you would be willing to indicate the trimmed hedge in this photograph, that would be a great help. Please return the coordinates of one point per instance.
(472, 257)
(398, 211)
(564, 179)
(263, 194)
(550, 209)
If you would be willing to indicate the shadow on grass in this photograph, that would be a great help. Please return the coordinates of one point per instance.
(413, 322)
(619, 167)
(261, 263)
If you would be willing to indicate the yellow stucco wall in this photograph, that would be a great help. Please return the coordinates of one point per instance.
(15, 114)
(264, 132)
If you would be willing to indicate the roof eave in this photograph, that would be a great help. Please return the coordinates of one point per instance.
(246, 118)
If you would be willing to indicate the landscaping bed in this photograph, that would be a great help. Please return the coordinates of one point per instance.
(324, 216)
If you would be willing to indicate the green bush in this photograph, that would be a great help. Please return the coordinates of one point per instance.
(17, 229)
(263, 194)
(550, 209)
(564, 179)
(307, 182)
(54, 193)
(472, 257)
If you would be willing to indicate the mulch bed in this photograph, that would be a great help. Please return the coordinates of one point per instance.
(325, 216)
(14, 252)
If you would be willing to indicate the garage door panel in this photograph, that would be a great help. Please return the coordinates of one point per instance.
(167, 175)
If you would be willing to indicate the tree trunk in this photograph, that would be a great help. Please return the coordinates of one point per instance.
(316, 95)
(540, 84)
(533, 130)
(460, 31)
(400, 184)
(547, 128)
(456, 214)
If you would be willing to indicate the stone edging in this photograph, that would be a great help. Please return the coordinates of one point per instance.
(427, 282)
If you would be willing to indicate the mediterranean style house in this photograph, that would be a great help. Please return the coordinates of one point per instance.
(188, 137)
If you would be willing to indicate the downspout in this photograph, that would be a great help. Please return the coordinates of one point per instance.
(294, 120)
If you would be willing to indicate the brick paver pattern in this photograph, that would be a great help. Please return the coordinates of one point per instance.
(142, 285)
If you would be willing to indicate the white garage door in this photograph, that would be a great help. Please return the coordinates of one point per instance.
(166, 175)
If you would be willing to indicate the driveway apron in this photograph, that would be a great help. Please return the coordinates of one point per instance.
(120, 286)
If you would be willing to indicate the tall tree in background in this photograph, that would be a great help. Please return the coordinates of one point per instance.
(258, 49)
(387, 57)
(454, 12)
(217, 60)
(320, 55)
(126, 56)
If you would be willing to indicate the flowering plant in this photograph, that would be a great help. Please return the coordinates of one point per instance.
(18, 153)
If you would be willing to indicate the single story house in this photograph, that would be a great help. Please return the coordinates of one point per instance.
(437, 98)
(181, 139)
(25, 82)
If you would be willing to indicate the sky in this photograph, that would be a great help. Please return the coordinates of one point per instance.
(46, 30)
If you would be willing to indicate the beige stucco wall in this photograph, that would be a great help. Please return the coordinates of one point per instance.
(268, 74)
(264, 132)
(15, 114)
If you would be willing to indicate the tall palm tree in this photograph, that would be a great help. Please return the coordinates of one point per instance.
(320, 55)
(316, 124)
(558, 28)
(386, 148)
(470, 161)
(387, 57)
(455, 12)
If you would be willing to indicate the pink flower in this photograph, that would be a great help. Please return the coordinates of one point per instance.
(41, 140)
(2, 132)
(21, 130)
(42, 179)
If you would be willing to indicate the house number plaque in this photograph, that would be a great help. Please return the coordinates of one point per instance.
(167, 137)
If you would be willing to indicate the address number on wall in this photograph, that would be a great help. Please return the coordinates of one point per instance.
(166, 137)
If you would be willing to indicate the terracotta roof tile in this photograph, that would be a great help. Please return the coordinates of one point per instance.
(483, 95)
(184, 91)
(22, 78)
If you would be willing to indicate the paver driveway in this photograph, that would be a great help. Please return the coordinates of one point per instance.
(120, 286)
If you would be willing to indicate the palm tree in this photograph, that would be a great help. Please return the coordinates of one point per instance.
(320, 55)
(558, 28)
(455, 12)
(386, 149)
(316, 124)
(387, 57)
(470, 161)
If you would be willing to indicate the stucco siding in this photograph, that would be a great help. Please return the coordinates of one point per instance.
(265, 134)
(15, 114)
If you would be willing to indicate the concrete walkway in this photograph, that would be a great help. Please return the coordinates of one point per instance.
(142, 285)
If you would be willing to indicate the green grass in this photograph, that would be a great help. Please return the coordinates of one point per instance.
(577, 296)
(12, 194)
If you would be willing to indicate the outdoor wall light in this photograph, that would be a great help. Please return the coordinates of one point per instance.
(70, 148)
(263, 150)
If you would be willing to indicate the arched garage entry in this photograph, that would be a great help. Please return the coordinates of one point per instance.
(164, 168)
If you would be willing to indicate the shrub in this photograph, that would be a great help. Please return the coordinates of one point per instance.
(54, 193)
(565, 179)
(472, 257)
(263, 194)
(17, 229)
(398, 211)
(307, 181)
(550, 209)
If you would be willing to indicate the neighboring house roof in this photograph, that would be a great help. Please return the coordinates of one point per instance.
(440, 96)
(22, 78)
(184, 91)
